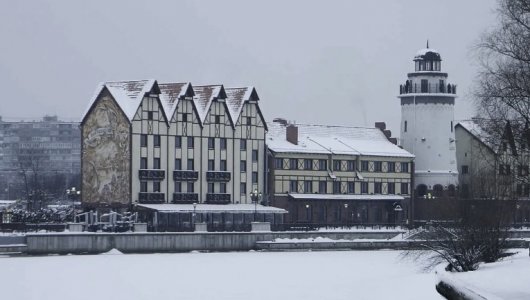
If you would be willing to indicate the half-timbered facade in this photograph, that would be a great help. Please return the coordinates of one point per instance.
(337, 174)
(146, 142)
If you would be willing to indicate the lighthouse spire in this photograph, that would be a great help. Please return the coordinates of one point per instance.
(427, 43)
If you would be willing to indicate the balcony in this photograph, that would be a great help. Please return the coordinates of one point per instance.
(185, 198)
(212, 198)
(180, 175)
(151, 198)
(218, 176)
(431, 88)
(152, 174)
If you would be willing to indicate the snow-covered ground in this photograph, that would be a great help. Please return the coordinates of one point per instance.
(506, 279)
(237, 275)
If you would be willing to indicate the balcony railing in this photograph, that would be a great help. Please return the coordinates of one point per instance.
(431, 88)
(180, 175)
(218, 176)
(152, 174)
(185, 198)
(217, 198)
(151, 198)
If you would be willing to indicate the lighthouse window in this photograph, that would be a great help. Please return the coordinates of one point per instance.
(451, 126)
(424, 85)
(405, 125)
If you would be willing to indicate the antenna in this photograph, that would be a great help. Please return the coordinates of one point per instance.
(427, 43)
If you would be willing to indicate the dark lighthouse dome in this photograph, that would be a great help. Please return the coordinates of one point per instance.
(427, 60)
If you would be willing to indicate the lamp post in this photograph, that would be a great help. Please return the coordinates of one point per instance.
(73, 193)
(255, 196)
(346, 210)
(309, 217)
(193, 216)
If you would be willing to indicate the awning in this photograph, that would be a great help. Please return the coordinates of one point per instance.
(347, 197)
(212, 208)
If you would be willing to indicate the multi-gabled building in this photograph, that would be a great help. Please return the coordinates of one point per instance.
(146, 143)
(338, 174)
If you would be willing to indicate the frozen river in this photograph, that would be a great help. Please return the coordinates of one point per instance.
(236, 275)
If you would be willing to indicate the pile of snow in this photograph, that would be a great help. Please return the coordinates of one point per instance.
(113, 251)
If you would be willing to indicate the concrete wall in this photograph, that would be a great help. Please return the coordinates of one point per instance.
(173, 242)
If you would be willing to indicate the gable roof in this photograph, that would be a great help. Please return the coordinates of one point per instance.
(325, 139)
(204, 96)
(127, 94)
(236, 98)
(171, 93)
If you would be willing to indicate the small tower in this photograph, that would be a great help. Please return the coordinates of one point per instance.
(427, 129)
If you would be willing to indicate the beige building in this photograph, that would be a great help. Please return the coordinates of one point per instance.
(146, 143)
(338, 174)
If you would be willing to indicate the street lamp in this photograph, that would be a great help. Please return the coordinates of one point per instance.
(255, 196)
(193, 216)
(346, 210)
(73, 193)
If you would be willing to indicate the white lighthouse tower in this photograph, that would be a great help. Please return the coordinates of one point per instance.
(427, 131)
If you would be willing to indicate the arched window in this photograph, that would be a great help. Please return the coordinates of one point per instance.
(438, 190)
(421, 190)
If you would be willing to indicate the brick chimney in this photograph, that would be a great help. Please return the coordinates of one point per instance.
(291, 134)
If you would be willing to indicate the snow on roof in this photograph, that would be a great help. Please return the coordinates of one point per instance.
(474, 128)
(346, 197)
(204, 96)
(128, 94)
(209, 208)
(424, 52)
(170, 94)
(324, 139)
(236, 97)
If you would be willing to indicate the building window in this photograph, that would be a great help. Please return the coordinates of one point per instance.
(149, 115)
(243, 145)
(293, 186)
(293, 164)
(378, 187)
(308, 164)
(222, 166)
(211, 143)
(211, 187)
(378, 166)
(156, 186)
(156, 140)
(243, 188)
(351, 187)
(156, 163)
(451, 126)
(143, 162)
(178, 187)
(143, 186)
(190, 164)
(278, 163)
(190, 142)
(391, 188)
(405, 126)
(223, 143)
(178, 142)
(254, 155)
(404, 188)
(364, 165)
(211, 165)
(243, 166)
(191, 187)
(308, 186)
(322, 164)
(143, 140)
(222, 188)
(351, 165)
(404, 167)
(336, 187)
(217, 119)
(424, 86)
(465, 169)
(254, 177)
(184, 117)
(322, 187)
(364, 187)
(249, 121)
(336, 165)
(178, 164)
(391, 166)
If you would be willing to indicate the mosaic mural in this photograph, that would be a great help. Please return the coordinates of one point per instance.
(106, 168)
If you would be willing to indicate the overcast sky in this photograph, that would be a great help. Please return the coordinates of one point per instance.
(327, 62)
